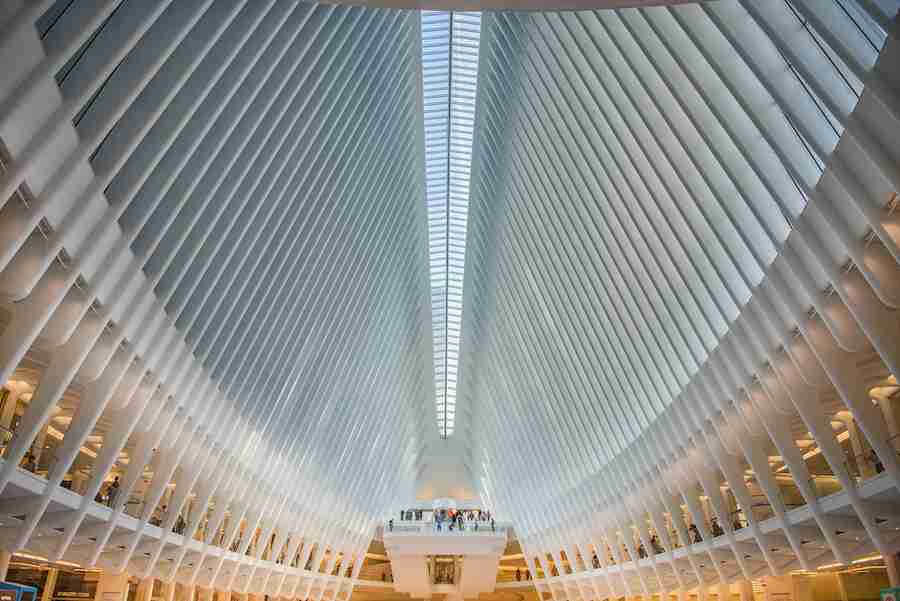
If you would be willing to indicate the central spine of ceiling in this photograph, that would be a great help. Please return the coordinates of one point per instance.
(450, 43)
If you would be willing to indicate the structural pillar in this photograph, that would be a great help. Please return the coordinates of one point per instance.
(187, 592)
(50, 584)
(145, 589)
(5, 556)
(890, 416)
(37, 447)
(893, 568)
(112, 587)
(866, 469)
(724, 591)
(168, 592)
(702, 592)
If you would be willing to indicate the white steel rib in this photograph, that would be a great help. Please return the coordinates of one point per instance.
(237, 238)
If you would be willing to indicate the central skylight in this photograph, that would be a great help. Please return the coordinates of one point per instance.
(449, 81)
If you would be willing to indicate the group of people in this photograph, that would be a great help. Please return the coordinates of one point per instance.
(159, 514)
(694, 536)
(451, 519)
(462, 520)
(519, 574)
(107, 495)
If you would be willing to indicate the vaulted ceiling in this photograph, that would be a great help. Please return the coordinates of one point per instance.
(367, 252)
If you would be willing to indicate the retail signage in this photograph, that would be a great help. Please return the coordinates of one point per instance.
(890, 594)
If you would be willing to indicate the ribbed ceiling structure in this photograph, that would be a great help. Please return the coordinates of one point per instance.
(636, 174)
(218, 206)
(252, 238)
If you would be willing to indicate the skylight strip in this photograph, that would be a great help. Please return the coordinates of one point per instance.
(450, 44)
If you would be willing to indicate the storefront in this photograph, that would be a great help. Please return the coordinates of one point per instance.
(53, 581)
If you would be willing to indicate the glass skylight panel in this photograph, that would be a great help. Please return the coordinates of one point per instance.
(450, 42)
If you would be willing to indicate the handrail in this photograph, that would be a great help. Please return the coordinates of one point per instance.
(429, 527)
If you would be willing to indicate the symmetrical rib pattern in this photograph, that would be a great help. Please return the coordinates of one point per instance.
(213, 229)
(641, 177)
(224, 222)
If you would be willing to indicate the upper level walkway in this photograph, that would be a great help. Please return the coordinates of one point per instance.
(107, 536)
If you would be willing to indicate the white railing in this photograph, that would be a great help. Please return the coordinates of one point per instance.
(430, 527)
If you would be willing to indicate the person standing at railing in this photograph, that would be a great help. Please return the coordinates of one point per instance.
(695, 534)
(391, 525)
(493, 526)
(876, 461)
(113, 492)
(157, 517)
(29, 463)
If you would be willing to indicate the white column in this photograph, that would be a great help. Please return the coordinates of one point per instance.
(890, 415)
(168, 592)
(862, 461)
(893, 568)
(112, 587)
(37, 447)
(145, 589)
(5, 556)
(724, 591)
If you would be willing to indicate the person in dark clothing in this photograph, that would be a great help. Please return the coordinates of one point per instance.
(180, 524)
(657, 548)
(716, 528)
(876, 461)
(391, 525)
(642, 552)
(113, 492)
(518, 575)
(695, 533)
(595, 561)
(29, 463)
(493, 528)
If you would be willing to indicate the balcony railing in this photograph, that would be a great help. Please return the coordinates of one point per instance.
(444, 528)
